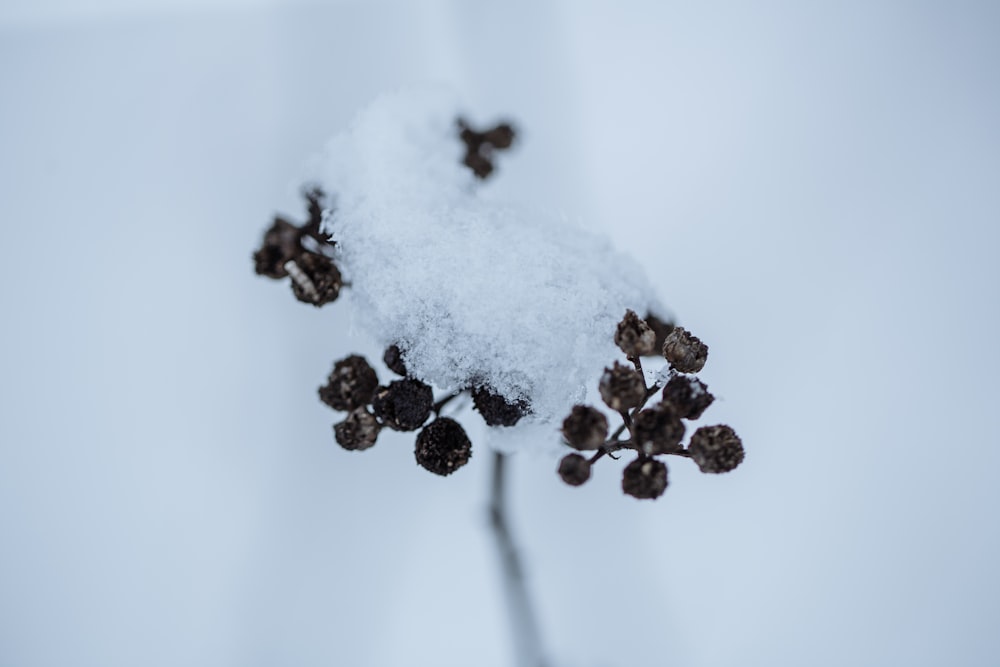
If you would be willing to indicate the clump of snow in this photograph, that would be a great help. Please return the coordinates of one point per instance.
(472, 289)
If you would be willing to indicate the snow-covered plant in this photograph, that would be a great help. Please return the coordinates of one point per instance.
(476, 295)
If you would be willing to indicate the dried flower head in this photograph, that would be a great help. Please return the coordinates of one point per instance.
(404, 405)
(351, 384)
(358, 432)
(685, 352)
(645, 478)
(658, 430)
(716, 448)
(585, 427)
(622, 387)
(315, 279)
(634, 337)
(280, 245)
(393, 359)
(688, 395)
(574, 469)
(443, 447)
(479, 146)
(497, 410)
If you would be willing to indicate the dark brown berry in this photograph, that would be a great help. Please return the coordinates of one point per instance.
(315, 279)
(443, 447)
(404, 405)
(497, 410)
(585, 427)
(645, 478)
(716, 449)
(574, 469)
(359, 431)
(685, 352)
(351, 385)
(634, 337)
(393, 359)
(622, 387)
(280, 245)
(658, 430)
(688, 395)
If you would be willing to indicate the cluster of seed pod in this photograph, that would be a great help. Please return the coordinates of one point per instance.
(302, 253)
(650, 431)
(407, 404)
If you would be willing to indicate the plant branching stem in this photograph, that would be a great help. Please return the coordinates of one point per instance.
(528, 647)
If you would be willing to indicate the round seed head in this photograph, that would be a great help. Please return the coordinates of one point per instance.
(393, 359)
(351, 384)
(688, 395)
(280, 244)
(634, 337)
(323, 276)
(716, 448)
(585, 427)
(685, 352)
(404, 405)
(658, 430)
(359, 431)
(645, 478)
(497, 410)
(622, 387)
(574, 469)
(443, 447)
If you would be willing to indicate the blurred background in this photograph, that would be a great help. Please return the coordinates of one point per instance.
(814, 186)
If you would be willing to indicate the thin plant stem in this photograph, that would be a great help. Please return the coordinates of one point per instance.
(528, 647)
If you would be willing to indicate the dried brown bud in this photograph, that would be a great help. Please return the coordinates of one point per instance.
(574, 469)
(716, 448)
(658, 430)
(443, 447)
(393, 359)
(404, 405)
(280, 245)
(685, 352)
(585, 427)
(688, 395)
(622, 387)
(351, 384)
(315, 279)
(479, 146)
(359, 431)
(634, 337)
(497, 410)
(645, 478)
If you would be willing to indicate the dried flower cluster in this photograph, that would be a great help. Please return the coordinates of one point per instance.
(650, 431)
(306, 255)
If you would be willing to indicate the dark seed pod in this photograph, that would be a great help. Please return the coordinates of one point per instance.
(685, 352)
(658, 430)
(359, 431)
(351, 385)
(716, 448)
(634, 337)
(574, 469)
(661, 328)
(645, 478)
(688, 395)
(443, 447)
(315, 279)
(585, 427)
(622, 387)
(393, 359)
(280, 245)
(497, 410)
(404, 405)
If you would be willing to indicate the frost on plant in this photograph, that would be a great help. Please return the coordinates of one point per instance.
(472, 293)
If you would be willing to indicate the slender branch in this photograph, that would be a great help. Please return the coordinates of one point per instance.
(444, 401)
(527, 638)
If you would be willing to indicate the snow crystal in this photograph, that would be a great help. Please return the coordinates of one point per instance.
(473, 289)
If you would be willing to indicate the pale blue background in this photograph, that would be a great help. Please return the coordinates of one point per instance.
(815, 186)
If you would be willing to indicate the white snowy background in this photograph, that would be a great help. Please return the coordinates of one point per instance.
(815, 187)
